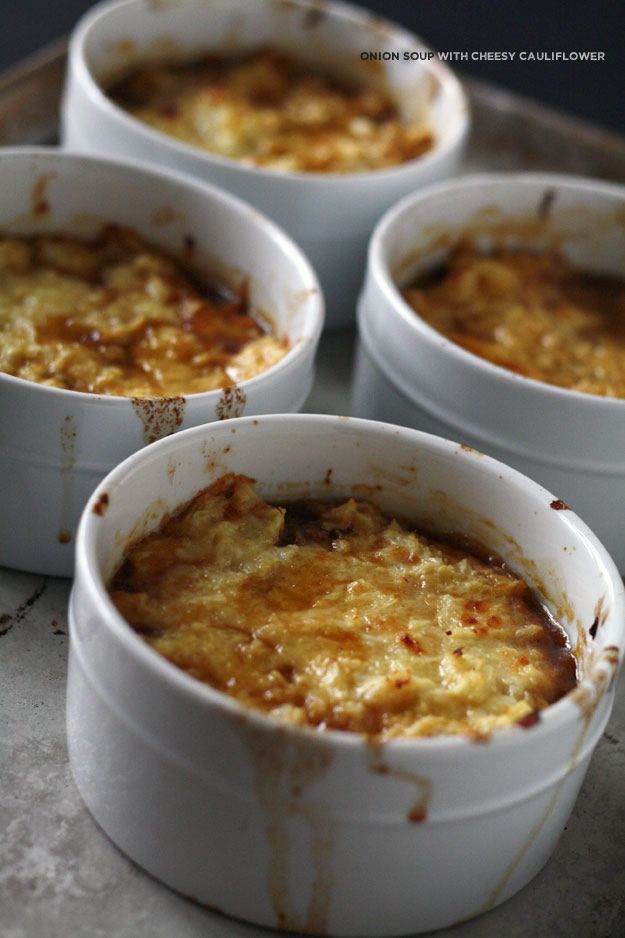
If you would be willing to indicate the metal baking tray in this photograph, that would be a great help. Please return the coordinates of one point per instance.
(59, 875)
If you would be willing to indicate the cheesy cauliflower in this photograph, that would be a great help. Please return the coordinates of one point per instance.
(533, 314)
(264, 109)
(116, 316)
(335, 616)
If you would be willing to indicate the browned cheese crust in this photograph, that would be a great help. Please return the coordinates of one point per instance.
(117, 316)
(531, 313)
(264, 109)
(336, 616)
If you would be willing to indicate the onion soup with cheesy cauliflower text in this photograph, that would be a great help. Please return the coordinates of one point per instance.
(336, 616)
(117, 316)
(534, 314)
(266, 110)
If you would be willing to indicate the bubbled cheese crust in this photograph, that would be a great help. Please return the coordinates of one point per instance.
(533, 314)
(338, 617)
(116, 316)
(264, 109)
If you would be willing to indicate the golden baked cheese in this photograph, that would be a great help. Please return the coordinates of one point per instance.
(117, 316)
(264, 109)
(335, 616)
(531, 313)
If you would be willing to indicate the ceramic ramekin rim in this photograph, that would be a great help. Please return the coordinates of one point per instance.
(266, 228)
(449, 84)
(88, 574)
(379, 270)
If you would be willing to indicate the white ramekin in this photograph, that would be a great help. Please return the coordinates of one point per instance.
(311, 831)
(407, 372)
(331, 217)
(56, 445)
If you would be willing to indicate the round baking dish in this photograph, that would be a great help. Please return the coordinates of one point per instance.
(315, 831)
(330, 216)
(55, 444)
(571, 442)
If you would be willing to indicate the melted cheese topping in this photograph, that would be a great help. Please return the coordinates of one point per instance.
(336, 616)
(532, 314)
(266, 110)
(115, 316)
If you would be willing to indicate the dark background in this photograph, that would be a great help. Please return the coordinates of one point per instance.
(595, 90)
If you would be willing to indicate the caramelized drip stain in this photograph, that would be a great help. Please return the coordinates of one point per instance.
(587, 699)
(601, 610)
(39, 195)
(101, 506)
(68, 460)
(159, 416)
(285, 767)
(588, 695)
(470, 449)
(231, 403)
(416, 812)
(532, 719)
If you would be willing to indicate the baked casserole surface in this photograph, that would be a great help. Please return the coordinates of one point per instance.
(117, 316)
(264, 109)
(534, 314)
(335, 616)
